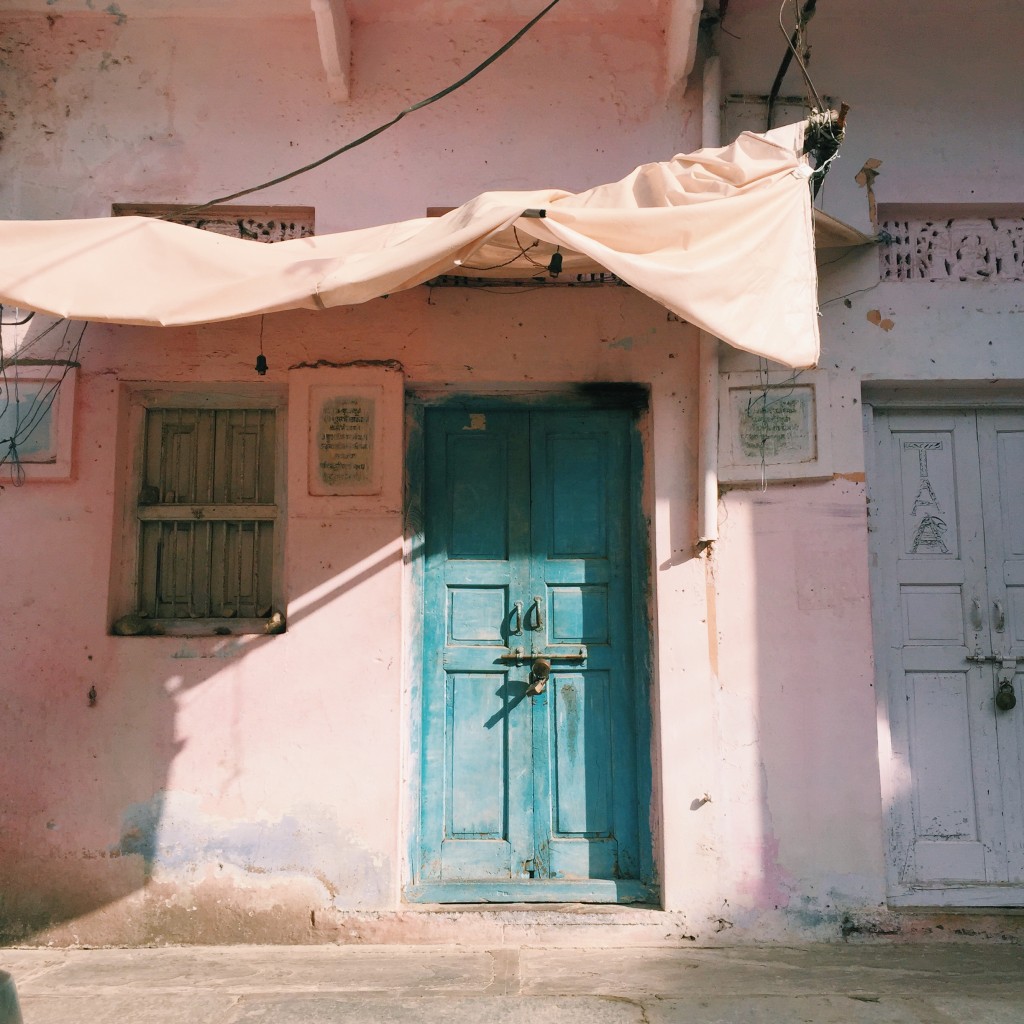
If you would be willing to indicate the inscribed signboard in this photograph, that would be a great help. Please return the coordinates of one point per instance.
(344, 442)
(774, 431)
(775, 425)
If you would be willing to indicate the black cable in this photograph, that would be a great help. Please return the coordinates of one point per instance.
(14, 323)
(498, 266)
(384, 127)
(803, 18)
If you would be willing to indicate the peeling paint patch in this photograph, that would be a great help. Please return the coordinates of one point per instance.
(854, 478)
(139, 825)
(625, 343)
(875, 317)
(173, 834)
(116, 13)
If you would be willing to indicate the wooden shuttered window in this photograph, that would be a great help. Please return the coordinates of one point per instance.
(208, 515)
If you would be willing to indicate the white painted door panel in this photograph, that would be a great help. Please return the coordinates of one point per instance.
(1001, 449)
(943, 482)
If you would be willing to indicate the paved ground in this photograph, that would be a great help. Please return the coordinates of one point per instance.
(878, 984)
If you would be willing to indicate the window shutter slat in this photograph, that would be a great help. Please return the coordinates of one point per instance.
(207, 513)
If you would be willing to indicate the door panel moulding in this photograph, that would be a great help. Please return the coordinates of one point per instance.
(334, 31)
(425, 887)
(950, 753)
(947, 394)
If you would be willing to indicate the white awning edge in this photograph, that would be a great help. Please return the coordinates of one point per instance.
(723, 237)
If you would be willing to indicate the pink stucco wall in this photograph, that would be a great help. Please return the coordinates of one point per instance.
(258, 788)
(221, 775)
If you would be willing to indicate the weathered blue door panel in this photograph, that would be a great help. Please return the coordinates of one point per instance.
(586, 795)
(528, 540)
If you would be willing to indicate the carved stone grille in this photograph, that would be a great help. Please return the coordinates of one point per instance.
(954, 249)
(254, 223)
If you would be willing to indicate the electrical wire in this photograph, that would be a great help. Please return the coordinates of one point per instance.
(14, 323)
(803, 16)
(522, 253)
(27, 346)
(856, 291)
(759, 403)
(383, 127)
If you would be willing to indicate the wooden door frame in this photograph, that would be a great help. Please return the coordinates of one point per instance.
(584, 398)
(900, 397)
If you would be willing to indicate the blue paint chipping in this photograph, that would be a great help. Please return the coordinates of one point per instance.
(172, 833)
(139, 831)
(116, 13)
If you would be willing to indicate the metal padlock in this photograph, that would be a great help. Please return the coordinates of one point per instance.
(540, 670)
(1006, 699)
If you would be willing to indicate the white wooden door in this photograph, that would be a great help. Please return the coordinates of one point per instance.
(948, 553)
(1001, 446)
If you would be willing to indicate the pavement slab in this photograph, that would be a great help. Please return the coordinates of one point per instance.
(394, 970)
(117, 1008)
(746, 971)
(493, 1010)
(920, 983)
(782, 1010)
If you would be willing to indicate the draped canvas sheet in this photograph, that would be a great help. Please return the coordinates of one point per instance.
(722, 237)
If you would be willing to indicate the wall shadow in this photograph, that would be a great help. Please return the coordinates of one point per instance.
(93, 809)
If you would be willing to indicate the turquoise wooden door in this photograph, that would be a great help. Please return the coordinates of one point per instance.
(531, 791)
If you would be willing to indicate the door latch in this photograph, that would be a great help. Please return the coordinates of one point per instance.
(1006, 699)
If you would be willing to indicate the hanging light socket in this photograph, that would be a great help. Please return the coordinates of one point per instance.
(555, 266)
(261, 364)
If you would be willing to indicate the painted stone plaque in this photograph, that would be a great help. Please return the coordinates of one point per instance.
(775, 425)
(774, 429)
(344, 434)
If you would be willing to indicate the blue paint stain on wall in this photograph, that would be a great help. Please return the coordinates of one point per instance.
(172, 833)
(625, 343)
(116, 13)
(139, 827)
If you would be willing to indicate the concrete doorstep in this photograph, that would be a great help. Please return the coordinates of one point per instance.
(883, 984)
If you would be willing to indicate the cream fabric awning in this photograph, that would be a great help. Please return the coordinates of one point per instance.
(722, 237)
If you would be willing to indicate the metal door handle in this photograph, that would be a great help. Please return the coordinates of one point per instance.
(975, 613)
(538, 609)
(999, 616)
(517, 618)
